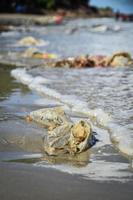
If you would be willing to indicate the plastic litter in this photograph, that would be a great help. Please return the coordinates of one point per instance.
(64, 136)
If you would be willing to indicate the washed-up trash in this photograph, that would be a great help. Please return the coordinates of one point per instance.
(64, 136)
(119, 59)
(31, 41)
(35, 53)
(44, 55)
(99, 60)
(50, 118)
(29, 52)
(71, 62)
(116, 60)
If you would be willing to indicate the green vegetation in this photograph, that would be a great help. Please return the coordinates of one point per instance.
(28, 6)
(52, 4)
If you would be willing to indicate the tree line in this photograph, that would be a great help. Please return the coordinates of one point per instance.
(25, 5)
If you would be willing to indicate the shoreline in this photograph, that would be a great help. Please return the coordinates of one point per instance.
(45, 19)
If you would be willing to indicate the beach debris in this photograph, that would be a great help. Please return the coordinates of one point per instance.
(71, 62)
(50, 118)
(41, 55)
(33, 52)
(64, 136)
(81, 137)
(99, 60)
(31, 41)
(29, 52)
(119, 59)
(116, 60)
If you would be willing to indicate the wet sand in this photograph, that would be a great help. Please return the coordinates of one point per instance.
(21, 181)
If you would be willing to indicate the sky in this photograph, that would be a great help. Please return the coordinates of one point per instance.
(125, 6)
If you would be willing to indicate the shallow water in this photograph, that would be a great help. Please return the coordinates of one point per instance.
(104, 96)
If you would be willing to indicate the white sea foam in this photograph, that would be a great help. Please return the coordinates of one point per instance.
(22, 76)
(79, 106)
(44, 90)
(35, 83)
(122, 139)
(98, 170)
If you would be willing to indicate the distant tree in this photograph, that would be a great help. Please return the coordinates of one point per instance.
(10, 5)
(51, 4)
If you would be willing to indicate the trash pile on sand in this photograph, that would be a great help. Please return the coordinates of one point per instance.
(64, 136)
(120, 59)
